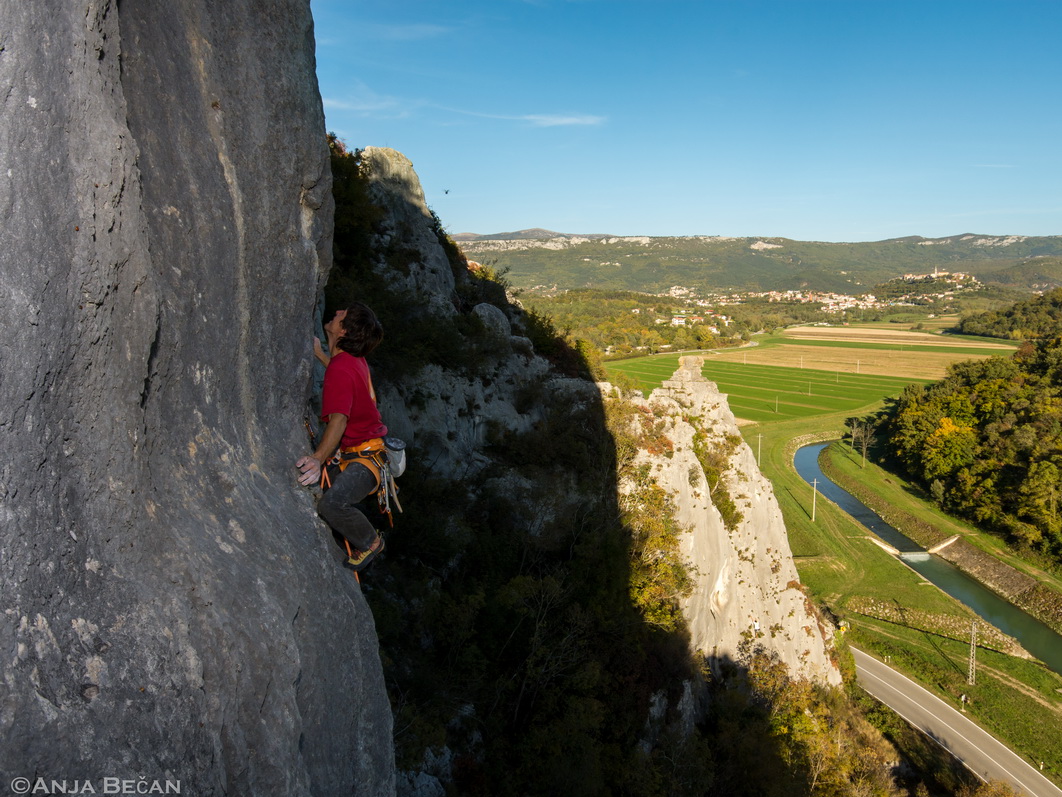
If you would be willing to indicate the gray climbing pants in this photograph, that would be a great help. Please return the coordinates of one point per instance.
(338, 505)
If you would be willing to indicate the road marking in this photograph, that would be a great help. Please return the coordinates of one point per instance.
(1017, 781)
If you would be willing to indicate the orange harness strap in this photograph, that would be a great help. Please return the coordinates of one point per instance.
(370, 454)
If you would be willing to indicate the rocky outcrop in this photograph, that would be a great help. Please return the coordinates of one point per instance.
(463, 418)
(479, 414)
(172, 608)
(447, 413)
(407, 222)
(746, 584)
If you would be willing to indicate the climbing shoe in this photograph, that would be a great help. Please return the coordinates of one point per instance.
(359, 560)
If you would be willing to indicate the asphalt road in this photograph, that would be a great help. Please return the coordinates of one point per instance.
(968, 742)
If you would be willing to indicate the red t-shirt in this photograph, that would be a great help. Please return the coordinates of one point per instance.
(346, 391)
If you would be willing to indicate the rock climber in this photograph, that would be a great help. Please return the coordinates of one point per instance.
(348, 408)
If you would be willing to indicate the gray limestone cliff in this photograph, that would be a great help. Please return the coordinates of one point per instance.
(746, 586)
(171, 605)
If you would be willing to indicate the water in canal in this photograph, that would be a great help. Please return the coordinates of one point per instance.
(1033, 635)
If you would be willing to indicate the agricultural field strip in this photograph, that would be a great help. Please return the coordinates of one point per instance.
(784, 400)
(907, 338)
(644, 365)
(764, 412)
(798, 393)
(773, 380)
(650, 366)
(765, 393)
(820, 403)
(917, 365)
(741, 371)
(654, 368)
(965, 349)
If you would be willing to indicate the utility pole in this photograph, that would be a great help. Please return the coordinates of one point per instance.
(814, 496)
(970, 676)
(759, 443)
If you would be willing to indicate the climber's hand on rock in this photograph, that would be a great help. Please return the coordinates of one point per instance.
(310, 469)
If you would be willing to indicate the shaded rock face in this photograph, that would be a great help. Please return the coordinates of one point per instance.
(172, 608)
(456, 420)
(396, 188)
(746, 586)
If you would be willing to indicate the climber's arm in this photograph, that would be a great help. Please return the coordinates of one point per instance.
(311, 465)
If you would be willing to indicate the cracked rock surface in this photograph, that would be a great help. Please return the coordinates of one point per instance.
(171, 605)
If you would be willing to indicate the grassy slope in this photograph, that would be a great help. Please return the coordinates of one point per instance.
(887, 489)
(1017, 700)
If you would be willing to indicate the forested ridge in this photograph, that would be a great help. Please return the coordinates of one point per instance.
(986, 442)
(708, 264)
(1035, 318)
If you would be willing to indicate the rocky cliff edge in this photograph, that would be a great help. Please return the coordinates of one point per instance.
(746, 587)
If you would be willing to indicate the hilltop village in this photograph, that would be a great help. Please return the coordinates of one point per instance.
(910, 290)
(620, 323)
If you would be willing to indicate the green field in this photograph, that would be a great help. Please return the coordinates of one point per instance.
(767, 393)
(804, 372)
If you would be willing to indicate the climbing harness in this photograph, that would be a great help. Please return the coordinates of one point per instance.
(385, 459)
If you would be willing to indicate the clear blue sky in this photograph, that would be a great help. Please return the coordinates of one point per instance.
(833, 120)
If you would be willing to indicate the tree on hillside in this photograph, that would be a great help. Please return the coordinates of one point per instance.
(862, 435)
(1039, 494)
(1040, 317)
(986, 441)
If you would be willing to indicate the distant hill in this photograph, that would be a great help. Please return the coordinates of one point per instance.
(711, 264)
(535, 233)
(1038, 273)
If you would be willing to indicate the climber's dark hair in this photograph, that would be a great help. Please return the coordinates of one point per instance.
(362, 331)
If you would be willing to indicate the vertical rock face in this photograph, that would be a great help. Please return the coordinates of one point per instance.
(171, 605)
(746, 586)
